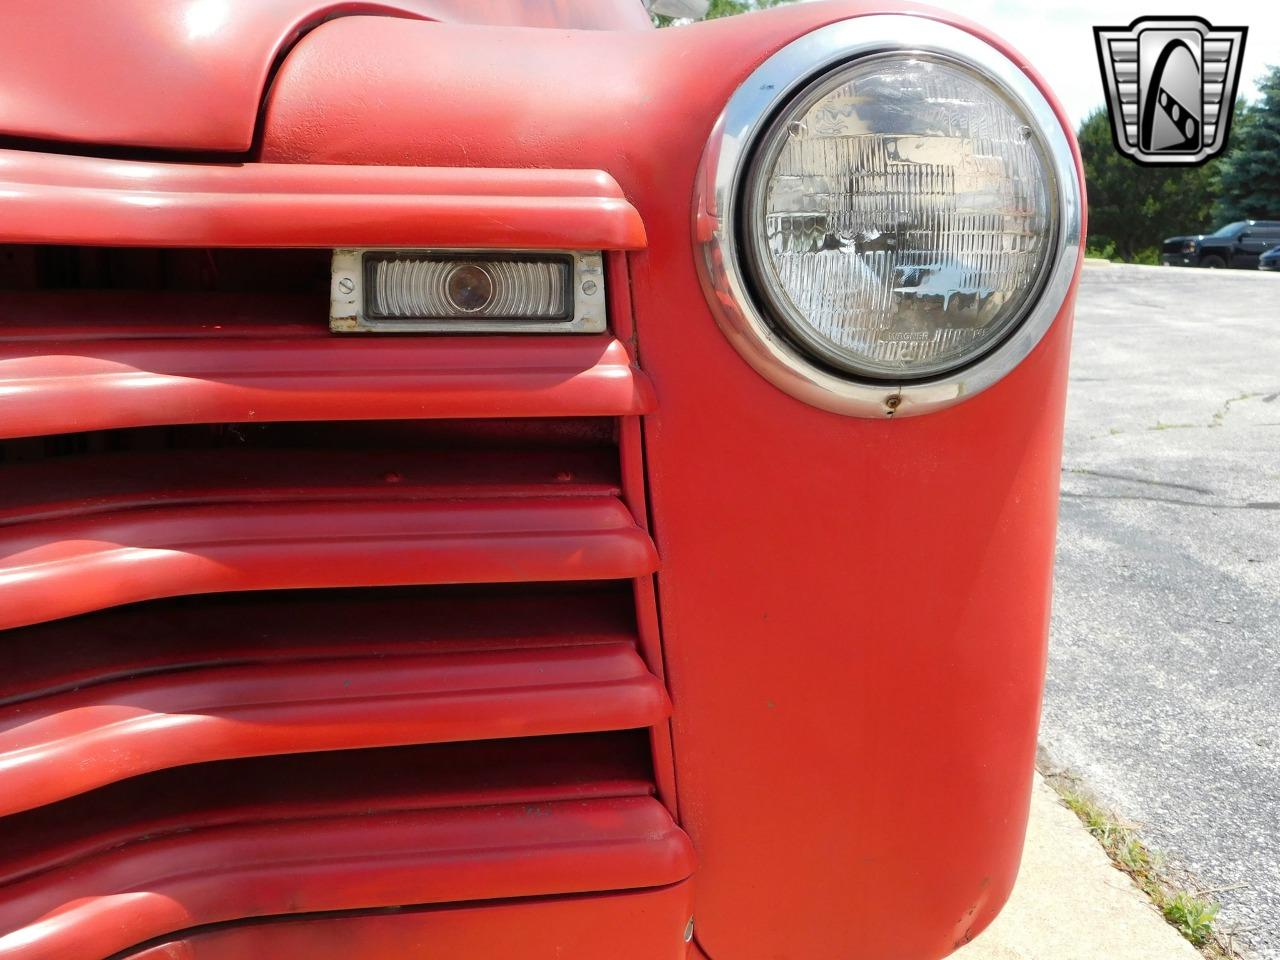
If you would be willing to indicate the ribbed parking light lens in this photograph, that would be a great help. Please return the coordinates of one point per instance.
(414, 288)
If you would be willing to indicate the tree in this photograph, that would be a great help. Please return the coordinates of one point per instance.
(724, 8)
(1251, 171)
(1131, 207)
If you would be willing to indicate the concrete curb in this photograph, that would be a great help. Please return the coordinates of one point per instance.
(1070, 903)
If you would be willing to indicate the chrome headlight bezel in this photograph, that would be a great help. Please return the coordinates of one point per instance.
(735, 146)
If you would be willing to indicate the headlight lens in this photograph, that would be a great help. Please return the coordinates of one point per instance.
(901, 216)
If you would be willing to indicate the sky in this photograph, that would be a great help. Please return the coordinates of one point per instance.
(1057, 37)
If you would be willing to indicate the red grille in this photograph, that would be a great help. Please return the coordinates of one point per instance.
(289, 620)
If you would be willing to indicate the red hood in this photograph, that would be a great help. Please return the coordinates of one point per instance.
(190, 74)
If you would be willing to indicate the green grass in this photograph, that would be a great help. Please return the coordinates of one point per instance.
(1191, 914)
(1133, 856)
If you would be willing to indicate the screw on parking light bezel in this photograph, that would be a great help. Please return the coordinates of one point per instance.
(735, 145)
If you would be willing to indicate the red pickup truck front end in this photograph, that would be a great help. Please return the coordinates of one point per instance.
(499, 481)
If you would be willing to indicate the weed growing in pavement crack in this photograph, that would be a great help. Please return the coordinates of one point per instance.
(1216, 420)
(1189, 910)
(1192, 916)
(1133, 856)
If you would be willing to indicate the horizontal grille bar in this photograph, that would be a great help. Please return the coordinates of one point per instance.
(59, 746)
(654, 922)
(56, 316)
(262, 628)
(303, 786)
(101, 483)
(59, 568)
(98, 385)
(209, 875)
(51, 198)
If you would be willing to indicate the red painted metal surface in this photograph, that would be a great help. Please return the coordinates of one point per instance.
(56, 316)
(58, 746)
(57, 199)
(61, 386)
(304, 787)
(303, 626)
(59, 568)
(108, 482)
(644, 925)
(189, 74)
(631, 466)
(116, 898)
(854, 612)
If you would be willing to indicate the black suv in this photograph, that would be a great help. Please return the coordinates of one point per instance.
(1235, 245)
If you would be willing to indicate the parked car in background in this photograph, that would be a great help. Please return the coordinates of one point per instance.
(1238, 244)
(1270, 260)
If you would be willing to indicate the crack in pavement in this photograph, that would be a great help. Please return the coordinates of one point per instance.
(1217, 419)
(1085, 471)
(1247, 505)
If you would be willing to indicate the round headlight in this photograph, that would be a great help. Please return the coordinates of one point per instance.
(895, 216)
(901, 216)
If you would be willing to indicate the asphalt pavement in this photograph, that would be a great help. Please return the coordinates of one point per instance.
(1163, 688)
